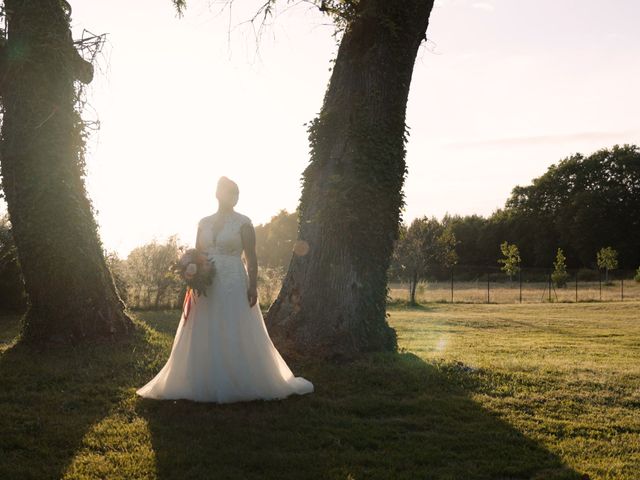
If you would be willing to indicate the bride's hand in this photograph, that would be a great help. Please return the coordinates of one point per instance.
(252, 295)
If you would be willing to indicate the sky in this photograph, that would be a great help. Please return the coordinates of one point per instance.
(501, 90)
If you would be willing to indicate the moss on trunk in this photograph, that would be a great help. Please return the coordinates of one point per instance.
(333, 300)
(71, 292)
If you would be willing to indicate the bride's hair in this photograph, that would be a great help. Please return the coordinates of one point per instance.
(227, 186)
(225, 183)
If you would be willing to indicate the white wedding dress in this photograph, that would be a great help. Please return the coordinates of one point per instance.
(222, 352)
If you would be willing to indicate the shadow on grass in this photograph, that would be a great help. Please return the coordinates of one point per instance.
(163, 321)
(389, 416)
(50, 398)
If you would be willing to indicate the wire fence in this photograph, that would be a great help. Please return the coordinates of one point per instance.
(471, 284)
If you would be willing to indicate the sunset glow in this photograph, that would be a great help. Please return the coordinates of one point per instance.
(501, 91)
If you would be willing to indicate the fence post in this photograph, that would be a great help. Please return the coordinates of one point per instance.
(622, 288)
(576, 286)
(520, 281)
(488, 286)
(452, 284)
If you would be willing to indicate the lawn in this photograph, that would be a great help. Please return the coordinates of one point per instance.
(532, 391)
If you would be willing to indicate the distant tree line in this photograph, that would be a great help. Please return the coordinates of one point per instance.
(145, 279)
(580, 205)
(583, 212)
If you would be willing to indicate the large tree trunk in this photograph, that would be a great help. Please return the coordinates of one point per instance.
(71, 292)
(333, 300)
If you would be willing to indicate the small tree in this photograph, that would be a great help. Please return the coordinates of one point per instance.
(422, 248)
(119, 272)
(560, 275)
(150, 275)
(607, 259)
(637, 277)
(511, 259)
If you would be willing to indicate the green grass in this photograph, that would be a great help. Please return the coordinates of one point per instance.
(567, 376)
(478, 392)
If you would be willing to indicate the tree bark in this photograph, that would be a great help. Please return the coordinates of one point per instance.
(333, 300)
(71, 292)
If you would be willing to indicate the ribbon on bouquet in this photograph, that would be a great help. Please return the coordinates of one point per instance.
(186, 306)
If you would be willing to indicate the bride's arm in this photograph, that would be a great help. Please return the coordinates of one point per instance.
(199, 245)
(248, 235)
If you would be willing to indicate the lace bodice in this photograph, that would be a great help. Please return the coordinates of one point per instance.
(228, 240)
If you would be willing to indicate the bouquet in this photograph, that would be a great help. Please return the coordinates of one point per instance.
(196, 270)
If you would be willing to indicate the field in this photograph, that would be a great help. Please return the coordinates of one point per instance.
(532, 391)
(505, 292)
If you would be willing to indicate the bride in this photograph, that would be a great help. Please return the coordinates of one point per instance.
(222, 352)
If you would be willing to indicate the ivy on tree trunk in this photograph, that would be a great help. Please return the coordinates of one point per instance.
(333, 300)
(71, 292)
